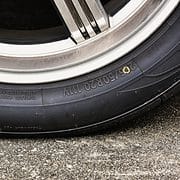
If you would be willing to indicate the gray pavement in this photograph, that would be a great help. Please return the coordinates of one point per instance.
(148, 148)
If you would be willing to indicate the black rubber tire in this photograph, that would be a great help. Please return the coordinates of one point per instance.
(98, 99)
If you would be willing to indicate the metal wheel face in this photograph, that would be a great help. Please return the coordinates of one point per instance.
(95, 38)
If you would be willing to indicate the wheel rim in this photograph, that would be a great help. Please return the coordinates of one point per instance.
(97, 39)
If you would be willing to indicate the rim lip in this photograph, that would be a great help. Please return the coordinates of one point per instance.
(70, 70)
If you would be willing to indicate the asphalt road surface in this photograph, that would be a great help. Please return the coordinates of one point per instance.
(146, 148)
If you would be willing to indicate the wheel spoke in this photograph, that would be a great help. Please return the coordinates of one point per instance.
(84, 18)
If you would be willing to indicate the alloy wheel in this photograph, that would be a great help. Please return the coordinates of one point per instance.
(84, 36)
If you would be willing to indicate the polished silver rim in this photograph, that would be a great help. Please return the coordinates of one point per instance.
(96, 40)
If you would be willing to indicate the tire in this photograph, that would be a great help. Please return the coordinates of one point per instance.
(137, 82)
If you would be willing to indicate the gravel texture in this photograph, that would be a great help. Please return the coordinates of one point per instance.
(146, 148)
